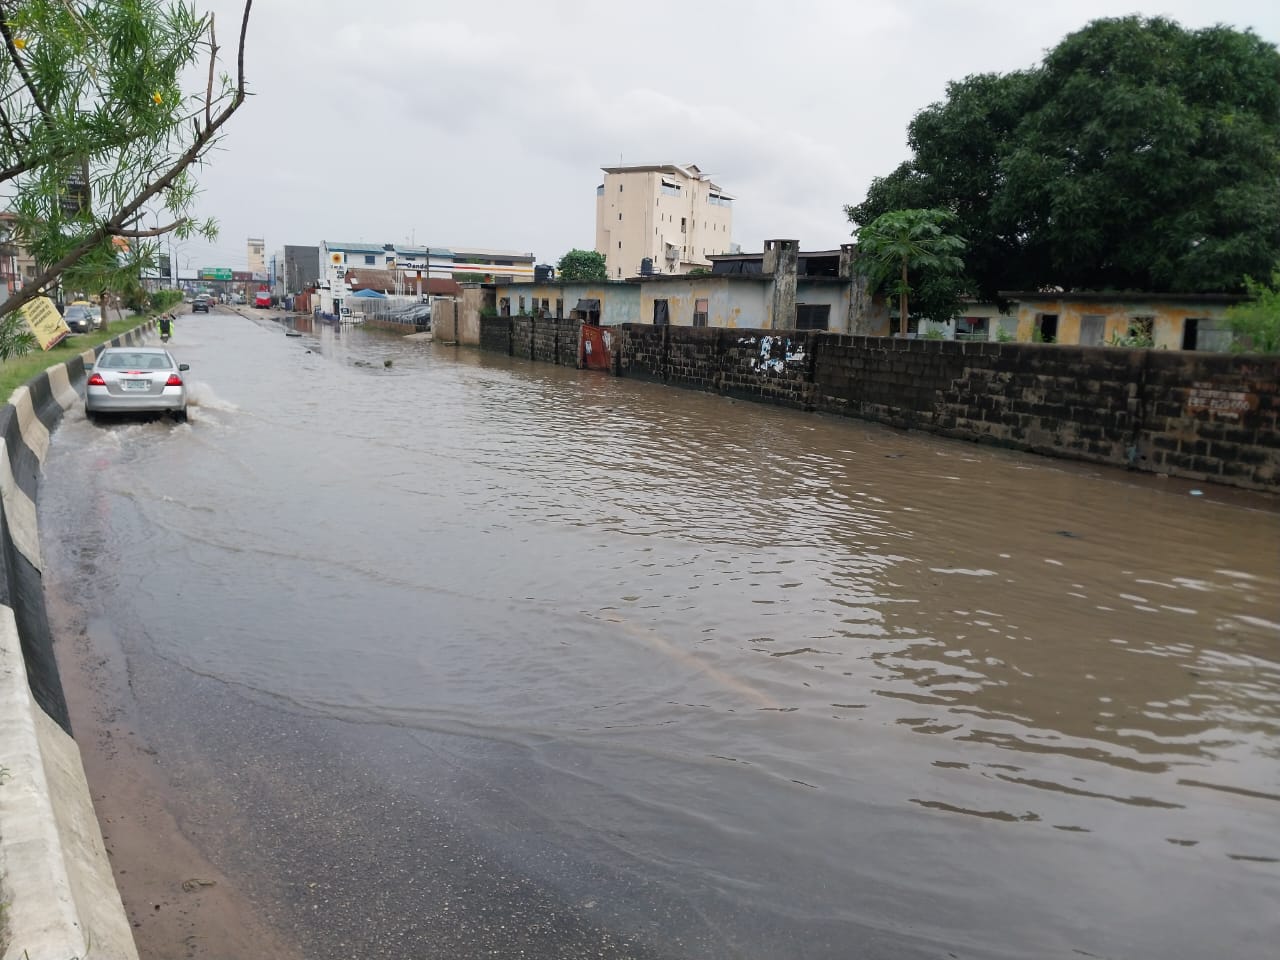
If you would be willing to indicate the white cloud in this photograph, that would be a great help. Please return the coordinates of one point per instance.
(486, 124)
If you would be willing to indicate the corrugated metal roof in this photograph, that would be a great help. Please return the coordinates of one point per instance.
(354, 247)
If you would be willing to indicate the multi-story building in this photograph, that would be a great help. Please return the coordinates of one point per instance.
(660, 218)
(257, 248)
(298, 268)
(414, 266)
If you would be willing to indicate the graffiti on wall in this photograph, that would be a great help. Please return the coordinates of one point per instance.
(1206, 397)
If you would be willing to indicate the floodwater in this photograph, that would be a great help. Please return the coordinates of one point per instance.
(448, 654)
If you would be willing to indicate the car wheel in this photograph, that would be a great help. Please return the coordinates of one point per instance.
(180, 416)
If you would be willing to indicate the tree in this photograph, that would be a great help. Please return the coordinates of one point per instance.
(582, 266)
(902, 242)
(98, 136)
(1256, 324)
(1138, 155)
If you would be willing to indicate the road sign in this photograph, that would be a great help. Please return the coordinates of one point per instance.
(215, 273)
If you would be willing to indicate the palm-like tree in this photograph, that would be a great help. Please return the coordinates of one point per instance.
(904, 240)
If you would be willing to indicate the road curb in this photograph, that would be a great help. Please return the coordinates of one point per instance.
(56, 884)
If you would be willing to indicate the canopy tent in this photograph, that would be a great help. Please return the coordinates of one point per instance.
(369, 293)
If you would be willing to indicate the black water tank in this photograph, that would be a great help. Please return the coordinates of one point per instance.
(646, 267)
(544, 273)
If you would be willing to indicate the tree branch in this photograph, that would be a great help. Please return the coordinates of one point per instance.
(17, 60)
(213, 59)
(128, 213)
(152, 232)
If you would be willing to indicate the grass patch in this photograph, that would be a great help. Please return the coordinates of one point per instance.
(16, 371)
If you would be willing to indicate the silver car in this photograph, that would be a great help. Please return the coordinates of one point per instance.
(136, 380)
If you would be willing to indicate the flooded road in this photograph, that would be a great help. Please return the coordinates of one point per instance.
(446, 654)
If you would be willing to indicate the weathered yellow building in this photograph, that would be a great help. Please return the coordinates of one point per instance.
(1183, 321)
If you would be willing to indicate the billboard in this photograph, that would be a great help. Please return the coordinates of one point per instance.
(215, 273)
(44, 321)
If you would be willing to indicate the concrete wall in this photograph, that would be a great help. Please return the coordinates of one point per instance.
(56, 881)
(619, 302)
(1200, 415)
(475, 299)
(837, 296)
(547, 339)
(731, 301)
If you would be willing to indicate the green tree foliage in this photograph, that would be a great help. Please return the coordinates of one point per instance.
(15, 337)
(1256, 324)
(582, 266)
(1137, 155)
(98, 134)
(905, 245)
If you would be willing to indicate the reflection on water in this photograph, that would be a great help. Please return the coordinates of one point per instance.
(804, 655)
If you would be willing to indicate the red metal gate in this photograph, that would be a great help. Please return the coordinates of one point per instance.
(595, 347)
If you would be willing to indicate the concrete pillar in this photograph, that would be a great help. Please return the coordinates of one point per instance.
(781, 259)
(847, 251)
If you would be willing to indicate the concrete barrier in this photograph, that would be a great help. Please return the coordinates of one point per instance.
(58, 898)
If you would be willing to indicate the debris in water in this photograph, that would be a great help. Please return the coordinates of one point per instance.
(1197, 493)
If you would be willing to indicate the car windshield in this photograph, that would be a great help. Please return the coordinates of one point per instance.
(75, 313)
(129, 360)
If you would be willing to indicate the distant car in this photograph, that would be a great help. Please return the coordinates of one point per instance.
(136, 380)
(82, 317)
(200, 304)
(240, 299)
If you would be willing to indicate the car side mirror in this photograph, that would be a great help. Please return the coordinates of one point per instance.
(184, 366)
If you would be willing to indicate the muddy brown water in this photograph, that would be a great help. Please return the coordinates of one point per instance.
(440, 653)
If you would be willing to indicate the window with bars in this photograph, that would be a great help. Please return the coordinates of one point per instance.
(700, 312)
(812, 316)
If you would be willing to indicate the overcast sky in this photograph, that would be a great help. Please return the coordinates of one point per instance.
(486, 124)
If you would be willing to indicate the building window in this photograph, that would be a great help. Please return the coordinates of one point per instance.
(670, 189)
(522, 306)
(619, 188)
(971, 328)
(700, 312)
(368, 259)
(619, 244)
(619, 272)
(1092, 328)
(504, 307)
(344, 258)
(546, 306)
(1142, 330)
(812, 316)
(682, 224)
(619, 216)
(661, 317)
(559, 307)
(1046, 330)
(1189, 330)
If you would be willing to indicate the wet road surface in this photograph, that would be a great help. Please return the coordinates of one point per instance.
(445, 654)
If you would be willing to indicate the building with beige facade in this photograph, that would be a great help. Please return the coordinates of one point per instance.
(257, 258)
(660, 218)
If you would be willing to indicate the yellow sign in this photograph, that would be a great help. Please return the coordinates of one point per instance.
(45, 322)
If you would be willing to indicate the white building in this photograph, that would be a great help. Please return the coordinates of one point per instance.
(661, 218)
(257, 248)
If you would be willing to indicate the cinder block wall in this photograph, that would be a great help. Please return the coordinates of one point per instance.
(1206, 416)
